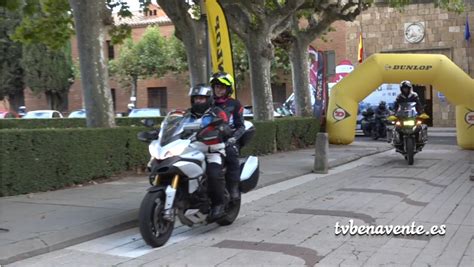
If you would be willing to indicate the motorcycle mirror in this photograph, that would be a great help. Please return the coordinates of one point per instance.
(147, 136)
(392, 118)
(424, 116)
(148, 122)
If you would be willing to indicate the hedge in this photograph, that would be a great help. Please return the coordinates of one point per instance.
(44, 159)
(63, 123)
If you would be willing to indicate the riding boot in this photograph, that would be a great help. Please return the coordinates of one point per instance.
(234, 190)
(216, 212)
(217, 191)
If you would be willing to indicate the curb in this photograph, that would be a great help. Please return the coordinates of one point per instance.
(36, 246)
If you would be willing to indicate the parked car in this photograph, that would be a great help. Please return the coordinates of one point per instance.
(43, 114)
(248, 113)
(146, 112)
(80, 113)
(6, 114)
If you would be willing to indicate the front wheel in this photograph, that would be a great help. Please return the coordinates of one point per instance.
(232, 211)
(375, 133)
(410, 149)
(154, 229)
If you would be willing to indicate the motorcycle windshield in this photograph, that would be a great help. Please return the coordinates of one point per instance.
(407, 110)
(172, 127)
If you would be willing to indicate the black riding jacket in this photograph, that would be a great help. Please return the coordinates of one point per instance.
(412, 97)
(234, 111)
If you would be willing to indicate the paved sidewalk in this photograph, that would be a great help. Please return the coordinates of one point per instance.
(42, 222)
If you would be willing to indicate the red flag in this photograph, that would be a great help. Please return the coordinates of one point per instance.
(360, 55)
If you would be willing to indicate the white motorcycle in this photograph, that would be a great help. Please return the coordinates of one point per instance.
(178, 179)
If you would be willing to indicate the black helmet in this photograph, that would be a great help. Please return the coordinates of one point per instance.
(200, 90)
(406, 84)
(223, 78)
(382, 105)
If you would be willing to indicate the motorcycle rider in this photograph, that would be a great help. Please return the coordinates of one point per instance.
(407, 95)
(381, 112)
(222, 85)
(212, 144)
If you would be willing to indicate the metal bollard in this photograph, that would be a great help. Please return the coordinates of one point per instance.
(321, 154)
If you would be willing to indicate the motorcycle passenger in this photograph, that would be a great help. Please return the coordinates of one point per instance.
(212, 146)
(407, 95)
(222, 84)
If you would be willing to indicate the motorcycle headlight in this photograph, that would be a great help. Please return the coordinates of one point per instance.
(176, 150)
(408, 123)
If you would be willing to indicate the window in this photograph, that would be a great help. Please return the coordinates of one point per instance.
(157, 97)
(112, 92)
(330, 59)
(279, 93)
(110, 50)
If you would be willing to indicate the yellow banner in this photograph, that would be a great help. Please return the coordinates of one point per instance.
(219, 39)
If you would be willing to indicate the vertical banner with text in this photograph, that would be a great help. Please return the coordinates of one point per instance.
(317, 82)
(219, 39)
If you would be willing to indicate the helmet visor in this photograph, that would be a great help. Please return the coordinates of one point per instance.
(200, 90)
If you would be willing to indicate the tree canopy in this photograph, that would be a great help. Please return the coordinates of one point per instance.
(48, 71)
(152, 56)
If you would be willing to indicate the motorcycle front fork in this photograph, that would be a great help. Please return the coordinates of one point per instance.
(169, 212)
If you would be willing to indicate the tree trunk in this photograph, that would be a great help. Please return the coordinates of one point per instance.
(300, 77)
(91, 32)
(193, 35)
(260, 53)
(133, 94)
(195, 43)
(16, 100)
(57, 101)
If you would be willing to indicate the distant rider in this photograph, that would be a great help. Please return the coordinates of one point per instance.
(407, 95)
(381, 113)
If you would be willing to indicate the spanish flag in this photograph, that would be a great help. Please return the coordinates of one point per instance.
(360, 55)
(219, 38)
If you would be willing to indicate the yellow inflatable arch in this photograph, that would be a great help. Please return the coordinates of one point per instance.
(437, 70)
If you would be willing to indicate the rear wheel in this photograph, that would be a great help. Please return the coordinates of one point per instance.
(410, 149)
(154, 229)
(232, 211)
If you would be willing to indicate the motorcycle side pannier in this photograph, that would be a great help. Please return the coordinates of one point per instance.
(249, 174)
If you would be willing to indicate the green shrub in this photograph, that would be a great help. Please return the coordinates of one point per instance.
(63, 123)
(264, 140)
(44, 159)
(294, 133)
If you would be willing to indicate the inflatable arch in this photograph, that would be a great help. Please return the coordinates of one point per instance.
(437, 70)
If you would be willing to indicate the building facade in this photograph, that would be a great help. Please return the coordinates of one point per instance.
(170, 91)
(418, 28)
(384, 30)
